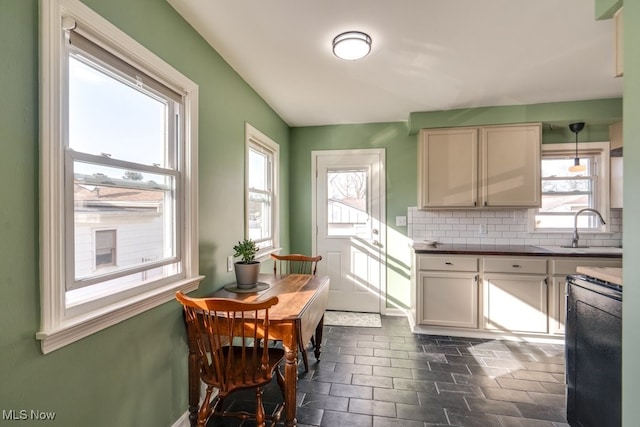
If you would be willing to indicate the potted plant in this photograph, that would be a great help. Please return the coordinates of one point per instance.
(247, 269)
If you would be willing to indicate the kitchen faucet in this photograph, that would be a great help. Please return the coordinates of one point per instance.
(574, 241)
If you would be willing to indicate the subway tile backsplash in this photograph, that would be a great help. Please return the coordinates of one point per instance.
(503, 227)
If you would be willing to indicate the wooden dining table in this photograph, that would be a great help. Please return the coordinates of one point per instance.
(299, 314)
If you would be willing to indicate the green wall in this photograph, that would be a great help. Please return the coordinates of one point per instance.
(133, 373)
(631, 223)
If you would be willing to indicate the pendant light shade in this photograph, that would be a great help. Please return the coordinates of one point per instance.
(351, 45)
(577, 167)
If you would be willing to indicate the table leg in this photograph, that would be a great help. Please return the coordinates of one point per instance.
(290, 381)
(318, 340)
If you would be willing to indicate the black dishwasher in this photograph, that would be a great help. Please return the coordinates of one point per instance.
(593, 346)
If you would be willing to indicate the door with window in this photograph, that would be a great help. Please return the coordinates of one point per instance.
(349, 200)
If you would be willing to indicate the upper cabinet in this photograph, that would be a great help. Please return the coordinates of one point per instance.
(616, 170)
(618, 39)
(491, 166)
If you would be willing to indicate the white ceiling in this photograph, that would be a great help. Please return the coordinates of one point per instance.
(427, 55)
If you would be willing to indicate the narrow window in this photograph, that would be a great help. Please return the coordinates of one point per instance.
(262, 171)
(105, 248)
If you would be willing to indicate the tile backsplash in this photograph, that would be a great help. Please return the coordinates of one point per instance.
(502, 226)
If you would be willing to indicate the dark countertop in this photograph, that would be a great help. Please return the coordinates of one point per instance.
(517, 250)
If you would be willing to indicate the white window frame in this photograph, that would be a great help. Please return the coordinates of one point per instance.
(257, 139)
(598, 150)
(59, 325)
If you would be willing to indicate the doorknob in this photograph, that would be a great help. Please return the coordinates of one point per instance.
(374, 231)
(376, 243)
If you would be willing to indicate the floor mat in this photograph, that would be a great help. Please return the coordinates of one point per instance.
(349, 318)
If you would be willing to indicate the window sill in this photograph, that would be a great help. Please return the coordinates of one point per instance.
(79, 327)
(263, 256)
(565, 231)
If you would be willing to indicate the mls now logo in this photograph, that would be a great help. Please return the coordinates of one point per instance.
(24, 414)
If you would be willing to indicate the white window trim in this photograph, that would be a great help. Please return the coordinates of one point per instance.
(254, 136)
(57, 327)
(602, 190)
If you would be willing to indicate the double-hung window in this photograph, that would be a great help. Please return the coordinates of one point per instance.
(564, 192)
(261, 220)
(118, 168)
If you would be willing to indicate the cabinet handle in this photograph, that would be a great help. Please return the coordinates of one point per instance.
(516, 266)
(485, 203)
(475, 203)
(546, 282)
(448, 263)
(476, 278)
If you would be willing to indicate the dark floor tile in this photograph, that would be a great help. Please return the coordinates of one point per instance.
(318, 387)
(473, 419)
(309, 416)
(374, 361)
(395, 422)
(332, 377)
(372, 407)
(544, 367)
(524, 422)
(410, 363)
(348, 390)
(507, 395)
(428, 375)
(466, 389)
(422, 357)
(434, 348)
(446, 367)
(373, 381)
(350, 368)
(323, 401)
(479, 380)
(384, 371)
(415, 385)
(540, 412)
(380, 345)
(489, 371)
(554, 388)
(443, 400)
(409, 397)
(511, 365)
(534, 376)
(548, 399)
(356, 351)
(338, 358)
(516, 384)
(429, 414)
(496, 407)
(464, 360)
(397, 354)
(345, 419)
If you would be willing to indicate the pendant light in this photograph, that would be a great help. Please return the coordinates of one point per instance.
(577, 167)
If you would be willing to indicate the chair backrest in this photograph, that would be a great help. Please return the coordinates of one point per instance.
(225, 331)
(295, 264)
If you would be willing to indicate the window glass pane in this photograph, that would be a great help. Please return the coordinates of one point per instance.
(260, 218)
(258, 170)
(565, 204)
(138, 206)
(560, 167)
(111, 117)
(105, 248)
(566, 185)
(347, 203)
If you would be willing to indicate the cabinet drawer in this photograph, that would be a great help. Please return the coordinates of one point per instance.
(515, 265)
(563, 267)
(448, 263)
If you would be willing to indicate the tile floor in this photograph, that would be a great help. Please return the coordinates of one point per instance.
(384, 377)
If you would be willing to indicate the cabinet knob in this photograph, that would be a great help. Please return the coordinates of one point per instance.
(485, 203)
(448, 263)
(516, 266)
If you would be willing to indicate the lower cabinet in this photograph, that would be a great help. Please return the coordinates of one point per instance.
(516, 303)
(448, 299)
(495, 294)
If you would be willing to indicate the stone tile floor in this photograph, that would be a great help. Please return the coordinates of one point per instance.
(390, 377)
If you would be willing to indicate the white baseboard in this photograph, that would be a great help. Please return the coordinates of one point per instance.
(183, 421)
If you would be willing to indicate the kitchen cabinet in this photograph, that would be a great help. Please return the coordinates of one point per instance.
(491, 166)
(515, 295)
(559, 269)
(487, 295)
(448, 291)
(618, 40)
(616, 170)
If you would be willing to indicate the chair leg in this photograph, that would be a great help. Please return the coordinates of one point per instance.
(259, 408)
(205, 409)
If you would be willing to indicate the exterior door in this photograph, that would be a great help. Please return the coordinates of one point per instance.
(348, 216)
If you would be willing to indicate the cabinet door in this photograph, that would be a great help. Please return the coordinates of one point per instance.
(447, 168)
(558, 304)
(510, 165)
(448, 299)
(516, 303)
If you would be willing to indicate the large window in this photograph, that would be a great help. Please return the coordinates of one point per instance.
(261, 220)
(564, 192)
(118, 176)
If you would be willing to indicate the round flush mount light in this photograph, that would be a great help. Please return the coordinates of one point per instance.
(351, 45)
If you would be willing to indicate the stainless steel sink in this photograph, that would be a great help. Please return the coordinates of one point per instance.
(582, 250)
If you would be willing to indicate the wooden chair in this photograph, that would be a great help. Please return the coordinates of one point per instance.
(297, 264)
(225, 332)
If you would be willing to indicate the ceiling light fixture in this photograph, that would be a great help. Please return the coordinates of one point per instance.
(577, 167)
(351, 45)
